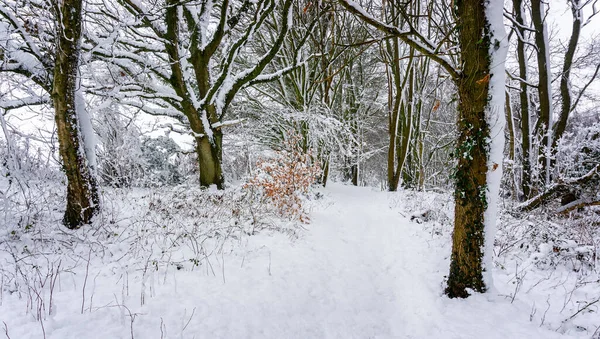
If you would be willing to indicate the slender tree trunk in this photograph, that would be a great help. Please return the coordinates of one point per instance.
(400, 122)
(511, 146)
(471, 196)
(543, 125)
(407, 123)
(565, 91)
(394, 98)
(524, 101)
(82, 193)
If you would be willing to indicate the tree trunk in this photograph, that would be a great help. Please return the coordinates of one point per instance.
(394, 99)
(511, 146)
(565, 90)
(82, 194)
(524, 101)
(466, 266)
(543, 125)
(354, 170)
(400, 119)
(209, 160)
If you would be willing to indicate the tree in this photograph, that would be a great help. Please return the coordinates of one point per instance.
(324, 91)
(480, 124)
(188, 60)
(82, 194)
(50, 59)
(524, 101)
(540, 134)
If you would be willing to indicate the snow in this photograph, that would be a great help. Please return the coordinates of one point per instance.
(359, 270)
(496, 120)
(88, 136)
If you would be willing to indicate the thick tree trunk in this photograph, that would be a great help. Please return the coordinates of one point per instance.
(209, 160)
(209, 141)
(82, 194)
(466, 266)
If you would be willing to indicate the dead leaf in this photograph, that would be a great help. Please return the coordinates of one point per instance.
(484, 80)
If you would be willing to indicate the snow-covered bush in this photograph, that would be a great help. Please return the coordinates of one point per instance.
(30, 186)
(120, 150)
(285, 178)
(578, 154)
(319, 130)
(579, 150)
(164, 162)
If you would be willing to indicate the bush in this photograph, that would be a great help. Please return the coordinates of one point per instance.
(284, 179)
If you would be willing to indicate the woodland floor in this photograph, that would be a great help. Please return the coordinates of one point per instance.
(360, 269)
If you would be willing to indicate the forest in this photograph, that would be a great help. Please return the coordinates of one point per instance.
(299, 169)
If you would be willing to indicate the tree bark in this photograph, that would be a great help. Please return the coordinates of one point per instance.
(524, 100)
(472, 151)
(565, 91)
(82, 193)
(543, 125)
(511, 145)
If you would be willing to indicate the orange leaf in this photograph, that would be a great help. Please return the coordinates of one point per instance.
(484, 80)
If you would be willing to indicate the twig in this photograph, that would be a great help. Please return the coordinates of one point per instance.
(189, 320)
(87, 269)
(6, 330)
(581, 310)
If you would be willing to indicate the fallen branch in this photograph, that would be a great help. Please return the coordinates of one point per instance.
(560, 186)
(577, 204)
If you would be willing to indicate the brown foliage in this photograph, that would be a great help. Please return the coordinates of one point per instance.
(285, 178)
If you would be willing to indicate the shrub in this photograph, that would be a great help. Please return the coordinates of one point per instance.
(284, 179)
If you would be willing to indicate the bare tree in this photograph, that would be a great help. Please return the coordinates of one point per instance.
(188, 60)
(536, 123)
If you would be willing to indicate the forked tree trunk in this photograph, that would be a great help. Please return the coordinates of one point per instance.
(399, 124)
(82, 194)
(209, 160)
(472, 151)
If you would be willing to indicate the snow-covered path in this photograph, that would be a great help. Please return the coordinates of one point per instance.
(360, 270)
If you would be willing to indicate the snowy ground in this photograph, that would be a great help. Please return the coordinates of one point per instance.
(360, 269)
